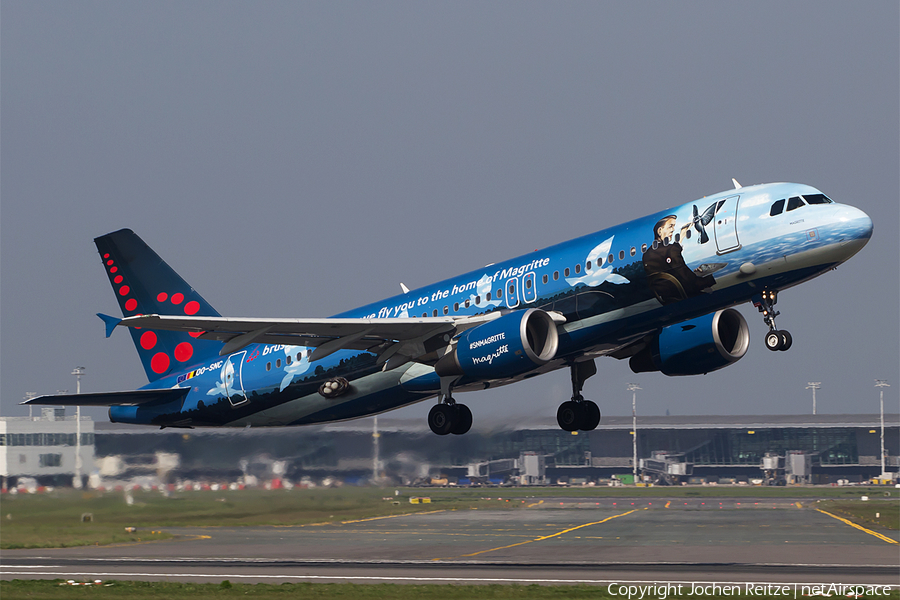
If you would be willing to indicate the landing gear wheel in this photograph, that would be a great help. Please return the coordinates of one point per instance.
(440, 418)
(591, 416)
(570, 415)
(774, 341)
(786, 340)
(462, 420)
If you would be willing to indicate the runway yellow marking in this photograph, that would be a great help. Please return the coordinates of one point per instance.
(535, 504)
(545, 537)
(798, 505)
(431, 512)
(861, 528)
(667, 504)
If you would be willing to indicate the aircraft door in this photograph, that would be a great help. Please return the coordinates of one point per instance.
(512, 292)
(726, 226)
(232, 378)
(529, 290)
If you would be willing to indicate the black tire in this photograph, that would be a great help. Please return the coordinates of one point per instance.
(773, 340)
(440, 419)
(786, 340)
(591, 416)
(570, 415)
(462, 421)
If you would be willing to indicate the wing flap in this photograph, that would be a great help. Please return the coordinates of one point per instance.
(129, 398)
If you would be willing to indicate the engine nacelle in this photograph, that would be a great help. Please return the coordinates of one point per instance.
(505, 347)
(696, 347)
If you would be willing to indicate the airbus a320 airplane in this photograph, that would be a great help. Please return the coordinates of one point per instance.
(656, 291)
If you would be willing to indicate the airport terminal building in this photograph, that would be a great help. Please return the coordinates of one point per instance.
(777, 449)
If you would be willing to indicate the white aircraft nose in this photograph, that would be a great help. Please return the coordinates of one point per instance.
(858, 223)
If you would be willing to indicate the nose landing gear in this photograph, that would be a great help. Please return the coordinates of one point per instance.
(579, 413)
(776, 339)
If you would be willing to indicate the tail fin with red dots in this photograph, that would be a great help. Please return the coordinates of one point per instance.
(145, 284)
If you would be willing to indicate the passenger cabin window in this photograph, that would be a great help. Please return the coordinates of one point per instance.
(817, 199)
(488, 297)
(578, 268)
(777, 208)
(467, 303)
(456, 307)
(588, 265)
(566, 272)
(555, 275)
(794, 203)
(609, 259)
(435, 312)
(477, 300)
(634, 250)
(621, 255)
(268, 366)
(278, 364)
(643, 248)
(528, 284)
(446, 310)
(499, 293)
(289, 359)
(544, 279)
(687, 234)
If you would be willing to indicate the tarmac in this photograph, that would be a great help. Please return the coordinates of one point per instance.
(553, 541)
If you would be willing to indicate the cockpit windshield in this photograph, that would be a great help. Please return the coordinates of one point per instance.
(795, 202)
(817, 199)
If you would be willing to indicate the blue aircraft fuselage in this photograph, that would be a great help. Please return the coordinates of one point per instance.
(614, 292)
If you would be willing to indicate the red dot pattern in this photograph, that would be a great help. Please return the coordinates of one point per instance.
(196, 334)
(148, 340)
(159, 363)
(183, 352)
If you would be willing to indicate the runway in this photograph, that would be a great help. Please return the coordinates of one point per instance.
(602, 541)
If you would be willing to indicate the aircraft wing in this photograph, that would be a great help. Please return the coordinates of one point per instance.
(407, 338)
(130, 398)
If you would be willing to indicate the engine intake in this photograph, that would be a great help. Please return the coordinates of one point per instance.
(696, 347)
(505, 347)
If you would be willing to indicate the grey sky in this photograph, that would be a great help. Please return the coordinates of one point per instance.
(299, 159)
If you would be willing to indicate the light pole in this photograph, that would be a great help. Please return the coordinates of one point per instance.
(881, 384)
(77, 372)
(814, 385)
(633, 388)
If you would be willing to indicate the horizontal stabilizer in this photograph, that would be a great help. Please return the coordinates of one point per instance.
(110, 322)
(130, 398)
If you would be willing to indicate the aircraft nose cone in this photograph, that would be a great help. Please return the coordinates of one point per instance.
(857, 223)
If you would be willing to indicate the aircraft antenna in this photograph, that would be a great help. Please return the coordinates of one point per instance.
(737, 186)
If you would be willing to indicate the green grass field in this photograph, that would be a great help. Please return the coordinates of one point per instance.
(51, 590)
(55, 519)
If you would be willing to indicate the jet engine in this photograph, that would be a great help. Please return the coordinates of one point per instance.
(505, 347)
(696, 347)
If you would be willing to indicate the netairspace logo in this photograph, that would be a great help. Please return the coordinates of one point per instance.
(795, 590)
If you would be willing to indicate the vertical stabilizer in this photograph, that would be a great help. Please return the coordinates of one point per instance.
(144, 284)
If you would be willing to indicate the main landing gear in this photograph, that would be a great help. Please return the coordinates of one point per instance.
(775, 339)
(447, 416)
(579, 413)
